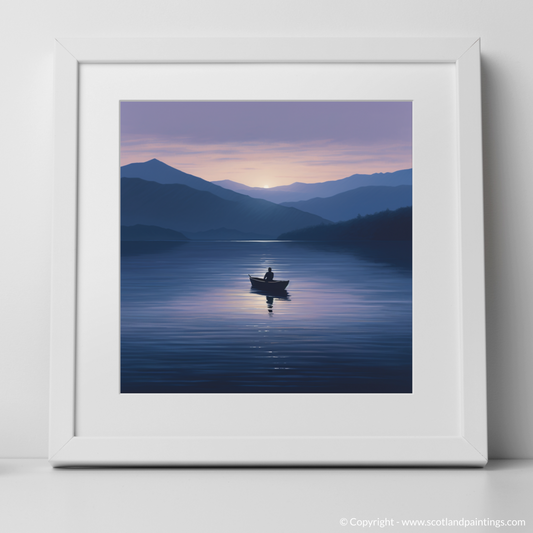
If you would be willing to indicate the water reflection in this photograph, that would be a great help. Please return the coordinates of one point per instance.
(270, 297)
(397, 254)
(191, 323)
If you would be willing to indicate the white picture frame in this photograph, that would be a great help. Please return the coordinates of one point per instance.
(465, 446)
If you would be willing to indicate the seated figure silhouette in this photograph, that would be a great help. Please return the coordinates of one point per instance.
(269, 276)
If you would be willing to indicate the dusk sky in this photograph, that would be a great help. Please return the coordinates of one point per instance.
(266, 144)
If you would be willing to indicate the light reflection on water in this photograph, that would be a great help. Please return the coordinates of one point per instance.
(192, 323)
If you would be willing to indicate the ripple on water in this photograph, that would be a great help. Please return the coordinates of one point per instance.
(192, 323)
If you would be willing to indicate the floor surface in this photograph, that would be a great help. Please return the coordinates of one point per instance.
(37, 498)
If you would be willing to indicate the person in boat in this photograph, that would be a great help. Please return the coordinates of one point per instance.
(269, 276)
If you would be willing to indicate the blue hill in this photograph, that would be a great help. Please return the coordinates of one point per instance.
(360, 201)
(185, 209)
(305, 191)
(384, 226)
(155, 170)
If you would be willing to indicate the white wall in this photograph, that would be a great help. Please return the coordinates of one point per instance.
(27, 31)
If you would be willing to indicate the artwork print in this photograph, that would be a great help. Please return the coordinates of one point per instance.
(266, 247)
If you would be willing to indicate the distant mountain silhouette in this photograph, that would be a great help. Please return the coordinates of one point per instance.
(306, 191)
(155, 170)
(361, 201)
(384, 226)
(234, 186)
(224, 234)
(185, 209)
(140, 232)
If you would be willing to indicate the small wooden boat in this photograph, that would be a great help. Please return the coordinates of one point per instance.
(275, 285)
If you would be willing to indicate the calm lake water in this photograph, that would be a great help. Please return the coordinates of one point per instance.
(191, 322)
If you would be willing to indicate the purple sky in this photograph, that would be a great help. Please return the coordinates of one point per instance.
(265, 144)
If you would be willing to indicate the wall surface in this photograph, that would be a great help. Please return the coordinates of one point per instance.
(27, 32)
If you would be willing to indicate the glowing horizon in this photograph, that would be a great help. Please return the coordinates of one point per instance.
(268, 144)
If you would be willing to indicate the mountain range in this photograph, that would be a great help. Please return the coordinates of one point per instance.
(384, 226)
(361, 201)
(158, 200)
(305, 191)
(155, 170)
(184, 209)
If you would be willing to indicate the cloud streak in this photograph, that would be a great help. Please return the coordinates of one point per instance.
(266, 143)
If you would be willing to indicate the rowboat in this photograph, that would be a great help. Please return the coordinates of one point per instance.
(268, 286)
